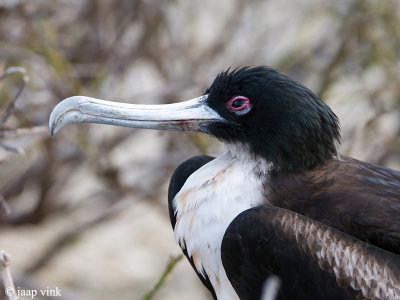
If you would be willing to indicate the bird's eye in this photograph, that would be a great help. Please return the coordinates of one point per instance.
(239, 104)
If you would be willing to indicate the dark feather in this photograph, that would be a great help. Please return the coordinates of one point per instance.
(355, 197)
(304, 254)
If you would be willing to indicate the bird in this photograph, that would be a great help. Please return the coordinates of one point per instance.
(281, 200)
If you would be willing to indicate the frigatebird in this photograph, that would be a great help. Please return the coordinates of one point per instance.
(281, 200)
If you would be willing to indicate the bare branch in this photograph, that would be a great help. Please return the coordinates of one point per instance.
(5, 271)
(13, 70)
(72, 234)
(11, 105)
(18, 150)
(4, 206)
(7, 133)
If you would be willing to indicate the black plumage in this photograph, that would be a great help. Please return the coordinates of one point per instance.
(288, 125)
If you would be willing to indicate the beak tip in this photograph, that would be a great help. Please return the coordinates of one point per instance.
(65, 112)
(53, 123)
(51, 126)
(52, 131)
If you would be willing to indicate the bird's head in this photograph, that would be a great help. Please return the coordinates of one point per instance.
(262, 111)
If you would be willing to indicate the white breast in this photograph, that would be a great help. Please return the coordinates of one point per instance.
(205, 206)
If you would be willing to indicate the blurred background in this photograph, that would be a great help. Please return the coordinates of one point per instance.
(86, 211)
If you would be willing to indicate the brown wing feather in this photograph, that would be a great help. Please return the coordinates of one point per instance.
(355, 197)
(314, 261)
(373, 272)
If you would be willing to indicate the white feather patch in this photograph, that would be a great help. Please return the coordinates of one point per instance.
(208, 202)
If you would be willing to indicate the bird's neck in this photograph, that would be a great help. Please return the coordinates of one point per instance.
(258, 165)
(284, 157)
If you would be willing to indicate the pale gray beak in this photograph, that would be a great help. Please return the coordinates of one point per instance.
(191, 115)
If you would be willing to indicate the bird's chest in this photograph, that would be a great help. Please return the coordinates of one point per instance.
(205, 206)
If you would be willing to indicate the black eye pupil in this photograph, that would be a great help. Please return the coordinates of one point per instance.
(238, 103)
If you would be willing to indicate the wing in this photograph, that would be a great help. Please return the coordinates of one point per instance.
(178, 179)
(314, 261)
(355, 197)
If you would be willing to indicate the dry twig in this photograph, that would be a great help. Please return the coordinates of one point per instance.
(5, 271)
(4, 206)
(11, 104)
(10, 148)
(73, 233)
(7, 133)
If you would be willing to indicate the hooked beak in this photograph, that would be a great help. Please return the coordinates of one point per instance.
(190, 115)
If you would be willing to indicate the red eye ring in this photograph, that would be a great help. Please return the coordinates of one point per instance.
(230, 103)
